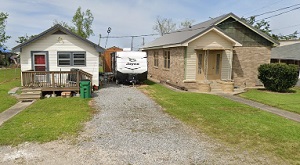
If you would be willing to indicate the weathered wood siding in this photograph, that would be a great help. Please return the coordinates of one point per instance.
(62, 42)
(243, 34)
(107, 58)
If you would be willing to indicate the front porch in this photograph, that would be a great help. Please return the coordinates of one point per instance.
(55, 80)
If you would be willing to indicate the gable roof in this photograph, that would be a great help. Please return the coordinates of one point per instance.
(187, 34)
(57, 29)
(288, 52)
(113, 48)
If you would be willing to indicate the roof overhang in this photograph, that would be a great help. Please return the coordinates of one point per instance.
(51, 30)
(186, 43)
(164, 47)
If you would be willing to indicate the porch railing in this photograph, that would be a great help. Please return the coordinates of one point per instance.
(54, 79)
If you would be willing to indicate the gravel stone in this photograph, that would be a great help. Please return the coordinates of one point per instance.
(130, 128)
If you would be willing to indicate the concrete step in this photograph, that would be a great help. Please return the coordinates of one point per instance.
(215, 85)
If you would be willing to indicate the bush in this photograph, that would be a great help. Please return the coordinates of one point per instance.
(278, 77)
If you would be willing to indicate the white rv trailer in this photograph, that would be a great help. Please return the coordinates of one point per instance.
(129, 66)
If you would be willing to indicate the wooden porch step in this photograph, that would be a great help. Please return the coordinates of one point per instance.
(30, 94)
(31, 89)
(29, 97)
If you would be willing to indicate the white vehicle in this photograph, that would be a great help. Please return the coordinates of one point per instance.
(129, 66)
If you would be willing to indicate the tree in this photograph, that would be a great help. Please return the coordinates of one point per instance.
(186, 23)
(3, 36)
(264, 26)
(292, 36)
(82, 23)
(164, 25)
(25, 38)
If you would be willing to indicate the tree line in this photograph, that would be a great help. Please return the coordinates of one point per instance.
(82, 26)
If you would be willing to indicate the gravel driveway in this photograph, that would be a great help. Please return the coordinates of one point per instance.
(129, 129)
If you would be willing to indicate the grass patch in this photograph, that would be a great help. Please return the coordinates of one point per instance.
(287, 101)
(46, 120)
(101, 70)
(231, 122)
(9, 78)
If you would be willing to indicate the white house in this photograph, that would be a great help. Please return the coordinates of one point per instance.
(58, 50)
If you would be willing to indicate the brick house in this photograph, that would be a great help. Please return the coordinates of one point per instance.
(223, 49)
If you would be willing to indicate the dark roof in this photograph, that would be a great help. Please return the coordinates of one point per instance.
(184, 35)
(288, 52)
(55, 29)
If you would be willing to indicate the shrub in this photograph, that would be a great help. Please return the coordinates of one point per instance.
(278, 77)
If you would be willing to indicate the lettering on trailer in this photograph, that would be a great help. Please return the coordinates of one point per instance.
(132, 61)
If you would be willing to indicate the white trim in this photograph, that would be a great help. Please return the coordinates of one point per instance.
(219, 32)
(164, 47)
(45, 58)
(191, 40)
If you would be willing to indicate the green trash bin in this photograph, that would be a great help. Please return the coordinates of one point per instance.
(85, 89)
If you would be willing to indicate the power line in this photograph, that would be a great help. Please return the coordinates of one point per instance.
(276, 10)
(279, 14)
(143, 35)
(264, 7)
(154, 34)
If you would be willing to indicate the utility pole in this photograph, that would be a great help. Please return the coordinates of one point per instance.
(99, 39)
(108, 31)
(132, 43)
(143, 41)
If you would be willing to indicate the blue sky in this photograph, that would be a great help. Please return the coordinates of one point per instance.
(136, 17)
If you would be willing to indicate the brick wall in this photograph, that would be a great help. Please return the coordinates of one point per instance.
(246, 60)
(175, 74)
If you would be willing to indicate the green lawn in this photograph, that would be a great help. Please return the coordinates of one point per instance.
(231, 122)
(9, 78)
(46, 120)
(286, 101)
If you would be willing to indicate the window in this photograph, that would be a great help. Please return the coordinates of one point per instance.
(155, 58)
(218, 63)
(79, 58)
(167, 59)
(71, 59)
(199, 63)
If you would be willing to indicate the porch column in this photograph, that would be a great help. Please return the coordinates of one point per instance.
(226, 70)
(206, 53)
